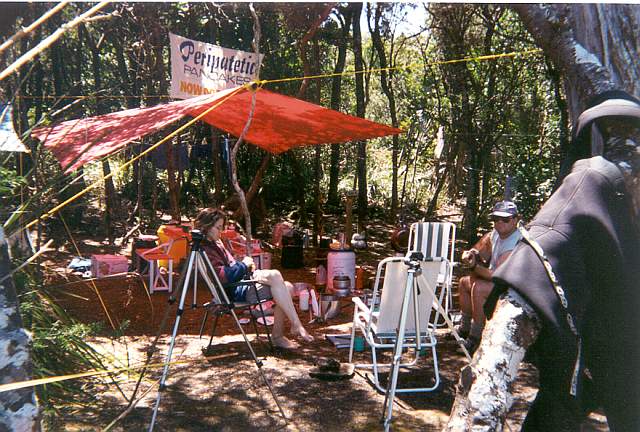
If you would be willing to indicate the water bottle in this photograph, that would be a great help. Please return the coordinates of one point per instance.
(321, 275)
(303, 298)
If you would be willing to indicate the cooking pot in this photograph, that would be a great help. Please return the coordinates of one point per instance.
(341, 284)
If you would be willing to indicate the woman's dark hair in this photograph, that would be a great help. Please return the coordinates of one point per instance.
(207, 218)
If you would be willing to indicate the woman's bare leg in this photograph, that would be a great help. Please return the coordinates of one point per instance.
(279, 339)
(282, 297)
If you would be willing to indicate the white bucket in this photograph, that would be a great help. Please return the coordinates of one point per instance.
(341, 263)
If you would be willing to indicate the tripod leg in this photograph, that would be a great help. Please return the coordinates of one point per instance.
(167, 361)
(204, 320)
(208, 269)
(393, 373)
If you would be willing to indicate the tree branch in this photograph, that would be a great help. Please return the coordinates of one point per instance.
(50, 40)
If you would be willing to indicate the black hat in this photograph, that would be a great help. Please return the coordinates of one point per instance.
(610, 103)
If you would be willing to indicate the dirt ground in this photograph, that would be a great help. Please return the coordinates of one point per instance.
(222, 389)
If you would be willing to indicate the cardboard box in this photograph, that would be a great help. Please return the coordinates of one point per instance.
(105, 265)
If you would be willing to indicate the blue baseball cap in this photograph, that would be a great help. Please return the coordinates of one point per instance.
(505, 209)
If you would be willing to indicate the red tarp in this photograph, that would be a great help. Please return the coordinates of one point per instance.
(279, 123)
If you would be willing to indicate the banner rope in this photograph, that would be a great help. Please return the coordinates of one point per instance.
(327, 75)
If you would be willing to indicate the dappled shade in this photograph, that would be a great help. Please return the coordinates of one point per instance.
(279, 124)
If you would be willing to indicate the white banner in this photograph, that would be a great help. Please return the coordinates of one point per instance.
(199, 68)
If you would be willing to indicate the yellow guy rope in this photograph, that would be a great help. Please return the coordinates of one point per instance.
(93, 282)
(130, 161)
(328, 75)
(49, 380)
(411, 66)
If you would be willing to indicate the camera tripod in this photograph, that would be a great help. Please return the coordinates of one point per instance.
(411, 291)
(198, 264)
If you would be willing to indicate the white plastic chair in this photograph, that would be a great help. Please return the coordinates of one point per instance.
(153, 256)
(379, 321)
(437, 240)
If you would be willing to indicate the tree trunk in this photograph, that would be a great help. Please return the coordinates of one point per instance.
(110, 197)
(386, 81)
(18, 407)
(307, 68)
(336, 87)
(299, 186)
(583, 42)
(174, 184)
(317, 165)
(452, 23)
(483, 393)
(163, 85)
(218, 194)
(255, 184)
(360, 112)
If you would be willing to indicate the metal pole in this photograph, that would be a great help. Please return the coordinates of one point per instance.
(393, 373)
(183, 295)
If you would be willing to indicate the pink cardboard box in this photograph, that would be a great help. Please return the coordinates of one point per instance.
(105, 265)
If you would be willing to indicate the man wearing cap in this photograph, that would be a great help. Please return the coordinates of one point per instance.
(475, 288)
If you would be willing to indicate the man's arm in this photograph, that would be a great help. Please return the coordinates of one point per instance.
(486, 274)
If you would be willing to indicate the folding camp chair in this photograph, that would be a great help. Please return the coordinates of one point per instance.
(379, 320)
(437, 240)
(218, 308)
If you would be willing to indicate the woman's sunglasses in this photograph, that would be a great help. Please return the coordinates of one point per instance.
(501, 219)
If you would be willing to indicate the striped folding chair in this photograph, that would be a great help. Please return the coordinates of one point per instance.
(437, 240)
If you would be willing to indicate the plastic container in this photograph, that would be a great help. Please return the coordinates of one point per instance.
(105, 265)
(180, 236)
(303, 299)
(341, 263)
(265, 260)
(321, 275)
(360, 278)
(301, 286)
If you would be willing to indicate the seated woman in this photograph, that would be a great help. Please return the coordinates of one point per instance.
(211, 223)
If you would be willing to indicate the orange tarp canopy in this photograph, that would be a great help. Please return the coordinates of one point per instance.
(279, 124)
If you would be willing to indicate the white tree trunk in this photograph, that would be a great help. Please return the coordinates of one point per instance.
(594, 46)
(483, 393)
(18, 408)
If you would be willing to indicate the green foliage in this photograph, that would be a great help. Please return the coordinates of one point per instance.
(59, 347)
(10, 181)
(505, 99)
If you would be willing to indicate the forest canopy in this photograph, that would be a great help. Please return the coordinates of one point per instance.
(480, 106)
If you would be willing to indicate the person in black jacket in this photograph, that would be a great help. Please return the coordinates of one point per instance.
(569, 292)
